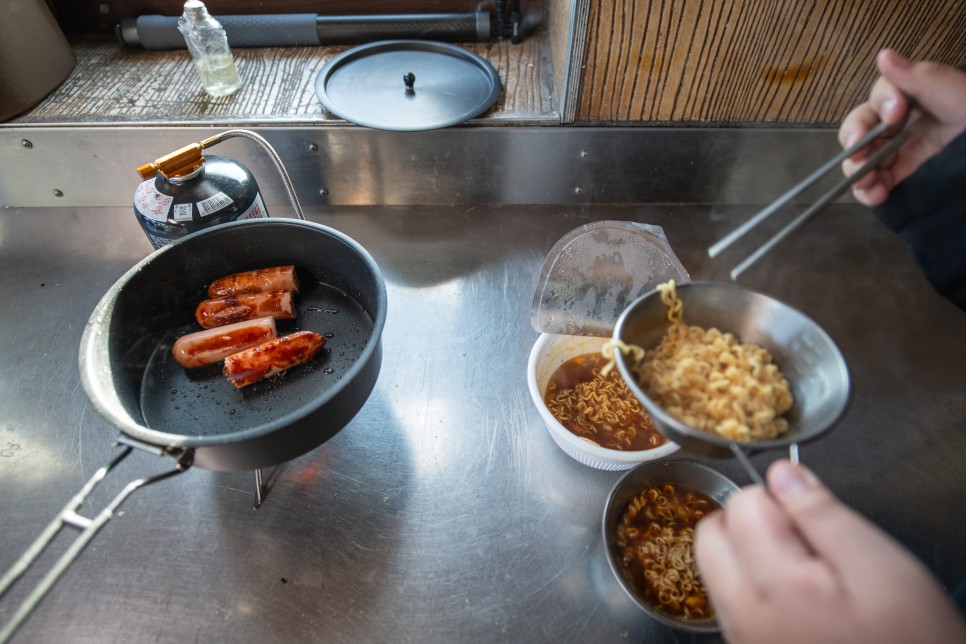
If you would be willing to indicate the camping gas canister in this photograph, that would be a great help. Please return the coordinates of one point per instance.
(184, 192)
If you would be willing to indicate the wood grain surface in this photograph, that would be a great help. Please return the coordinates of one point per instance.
(751, 61)
(118, 85)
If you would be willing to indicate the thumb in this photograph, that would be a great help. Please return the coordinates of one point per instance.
(885, 581)
(848, 542)
(937, 88)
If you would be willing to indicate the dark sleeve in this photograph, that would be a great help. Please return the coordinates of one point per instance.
(928, 210)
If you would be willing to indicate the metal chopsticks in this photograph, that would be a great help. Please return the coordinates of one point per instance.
(832, 164)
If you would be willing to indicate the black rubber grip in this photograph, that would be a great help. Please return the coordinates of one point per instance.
(309, 29)
(466, 27)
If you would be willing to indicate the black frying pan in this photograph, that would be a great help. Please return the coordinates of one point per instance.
(132, 380)
(197, 416)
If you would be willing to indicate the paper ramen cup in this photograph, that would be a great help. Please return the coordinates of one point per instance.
(548, 353)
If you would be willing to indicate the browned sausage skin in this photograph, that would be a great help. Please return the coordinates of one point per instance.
(278, 278)
(219, 311)
(272, 357)
(213, 345)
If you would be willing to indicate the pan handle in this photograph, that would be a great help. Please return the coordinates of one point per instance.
(88, 528)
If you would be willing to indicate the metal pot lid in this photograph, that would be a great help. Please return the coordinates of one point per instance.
(407, 85)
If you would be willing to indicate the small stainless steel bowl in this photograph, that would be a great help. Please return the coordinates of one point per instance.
(680, 472)
(811, 362)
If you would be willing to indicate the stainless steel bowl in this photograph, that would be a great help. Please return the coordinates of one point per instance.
(811, 362)
(679, 472)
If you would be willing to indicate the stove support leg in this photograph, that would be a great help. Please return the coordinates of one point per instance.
(259, 488)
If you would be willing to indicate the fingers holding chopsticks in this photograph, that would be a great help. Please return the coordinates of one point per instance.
(904, 86)
(915, 109)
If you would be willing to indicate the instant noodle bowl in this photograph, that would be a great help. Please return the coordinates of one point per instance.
(548, 354)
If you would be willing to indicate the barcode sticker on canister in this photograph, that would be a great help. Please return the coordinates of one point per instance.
(214, 203)
(182, 212)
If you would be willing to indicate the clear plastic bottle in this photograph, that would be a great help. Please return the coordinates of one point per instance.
(208, 45)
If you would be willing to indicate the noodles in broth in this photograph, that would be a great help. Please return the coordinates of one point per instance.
(599, 408)
(655, 539)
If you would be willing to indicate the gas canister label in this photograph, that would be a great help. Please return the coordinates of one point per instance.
(257, 210)
(151, 203)
(214, 203)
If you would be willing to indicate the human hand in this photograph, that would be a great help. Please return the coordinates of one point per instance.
(799, 566)
(937, 89)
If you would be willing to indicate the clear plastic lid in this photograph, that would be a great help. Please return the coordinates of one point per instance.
(594, 272)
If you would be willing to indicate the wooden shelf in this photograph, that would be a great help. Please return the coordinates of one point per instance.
(115, 85)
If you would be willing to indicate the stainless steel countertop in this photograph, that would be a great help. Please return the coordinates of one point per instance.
(443, 511)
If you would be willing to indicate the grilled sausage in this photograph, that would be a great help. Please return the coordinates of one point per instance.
(213, 345)
(219, 311)
(272, 357)
(279, 278)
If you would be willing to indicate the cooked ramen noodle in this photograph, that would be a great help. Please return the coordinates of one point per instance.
(711, 381)
(599, 408)
(655, 539)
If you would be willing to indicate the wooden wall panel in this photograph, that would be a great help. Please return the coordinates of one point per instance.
(751, 61)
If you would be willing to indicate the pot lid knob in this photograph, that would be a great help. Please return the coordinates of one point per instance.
(410, 79)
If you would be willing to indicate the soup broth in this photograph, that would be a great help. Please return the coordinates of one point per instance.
(655, 540)
(599, 409)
